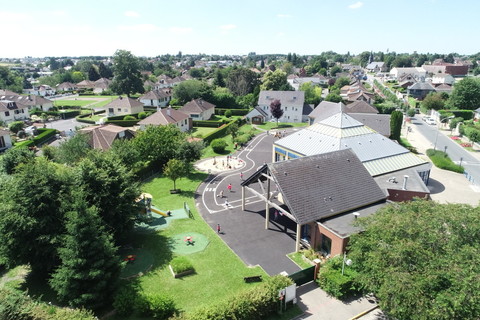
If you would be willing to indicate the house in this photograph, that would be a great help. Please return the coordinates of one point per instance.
(440, 66)
(66, 87)
(157, 98)
(166, 116)
(313, 189)
(325, 109)
(198, 109)
(292, 104)
(33, 102)
(12, 111)
(86, 84)
(101, 85)
(360, 106)
(123, 106)
(257, 116)
(376, 67)
(416, 72)
(103, 136)
(44, 90)
(5, 140)
(7, 93)
(442, 78)
(420, 90)
(476, 113)
(443, 88)
(296, 81)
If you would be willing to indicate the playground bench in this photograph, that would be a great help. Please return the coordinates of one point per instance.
(252, 279)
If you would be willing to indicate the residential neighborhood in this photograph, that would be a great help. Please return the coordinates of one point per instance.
(214, 166)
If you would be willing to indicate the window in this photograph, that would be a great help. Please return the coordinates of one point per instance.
(286, 108)
(7, 114)
(119, 109)
(110, 110)
(326, 245)
(2, 142)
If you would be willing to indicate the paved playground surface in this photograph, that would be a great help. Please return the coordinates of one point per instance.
(138, 262)
(158, 222)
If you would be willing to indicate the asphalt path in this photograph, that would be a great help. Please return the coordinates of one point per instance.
(244, 231)
(457, 153)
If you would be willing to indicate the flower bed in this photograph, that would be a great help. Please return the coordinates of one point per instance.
(466, 145)
(455, 138)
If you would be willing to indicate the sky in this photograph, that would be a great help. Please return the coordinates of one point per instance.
(155, 27)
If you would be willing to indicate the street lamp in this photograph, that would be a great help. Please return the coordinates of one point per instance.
(436, 136)
(346, 261)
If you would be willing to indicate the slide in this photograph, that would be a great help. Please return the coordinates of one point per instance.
(153, 209)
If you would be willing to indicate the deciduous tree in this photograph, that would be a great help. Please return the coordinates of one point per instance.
(174, 169)
(466, 94)
(126, 70)
(276, 109)
(276, 80)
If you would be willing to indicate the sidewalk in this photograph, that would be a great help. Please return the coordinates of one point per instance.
(445, 186)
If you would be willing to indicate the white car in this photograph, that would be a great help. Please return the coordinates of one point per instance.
(430, 121)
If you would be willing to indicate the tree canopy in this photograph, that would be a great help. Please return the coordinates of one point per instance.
(434, 100)
(276, 109)
(192, 89)
(421, 259)
(276, 80)
(466, 94)
(126, 70)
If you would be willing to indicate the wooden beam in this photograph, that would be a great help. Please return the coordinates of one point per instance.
(297, 240)
(274, 205)
(268, 177)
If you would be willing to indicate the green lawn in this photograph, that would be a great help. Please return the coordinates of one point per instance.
(218, 271)
(208, 152)
(297, 257)
(281, 125)
(201, 131)
(74, 103)
(101, 104)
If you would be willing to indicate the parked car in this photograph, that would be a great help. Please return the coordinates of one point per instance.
(430, 121)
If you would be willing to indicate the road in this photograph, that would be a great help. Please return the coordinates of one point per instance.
(454, 150)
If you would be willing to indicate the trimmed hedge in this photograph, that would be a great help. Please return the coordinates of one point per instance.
(220, 132)
(235, 112)
(259, 302)
(181, 264)
(63, 115)
(44, 135)
(123, 123)
(207, 123)
(465, 114)
(83, 117)
(441, 160)
(336, 284)
(24, 144)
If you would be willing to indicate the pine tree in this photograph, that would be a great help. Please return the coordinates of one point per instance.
(89, 270)
(396, 120)
(104, 71)
(93, 73)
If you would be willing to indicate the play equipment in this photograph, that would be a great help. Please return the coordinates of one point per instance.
(155, 210)
(144, 201)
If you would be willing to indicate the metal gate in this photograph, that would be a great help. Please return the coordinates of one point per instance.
(303, 276)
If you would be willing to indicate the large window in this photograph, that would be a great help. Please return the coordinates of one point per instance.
(2, 142)
(326, 245)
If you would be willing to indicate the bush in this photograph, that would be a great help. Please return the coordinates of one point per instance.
(129, 117)
(441, 160)
(21, 134)
(181, 264)
(218, 145)
(331, 280)
(221, 132)
(156, 305)
(411, 112)
(125, 300)
(235, 112)
(453, 122)
(228, 113)
(16, 126)
(141, 115)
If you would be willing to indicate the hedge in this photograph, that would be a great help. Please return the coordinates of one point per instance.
(82, 117)
(336, 284)
(207, 123)
(220, 132)
(465, 114)
(235, 112)
(24, 144)
(259, 302)
(123, 123)
(63, 115)
(441, 160)
(44, 135)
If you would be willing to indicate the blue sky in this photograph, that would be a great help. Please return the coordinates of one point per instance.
(150, 28)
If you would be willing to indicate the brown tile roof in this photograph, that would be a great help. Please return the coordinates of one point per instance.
(86, 84)
(360, 106)
(7, 93)
(66, 85)
(7, 105)
(103, 136)
(123, 102)
(30, 100)
(196, 106)
(102, 83)
(164, 117)
(154, 95)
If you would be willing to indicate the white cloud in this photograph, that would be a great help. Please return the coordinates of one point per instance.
(280, 15)
(280, 34)
(356, 5)
(180, 30)
(13, 16)
(227, 27)
(132, 14)
(146, 27)
(59, 13)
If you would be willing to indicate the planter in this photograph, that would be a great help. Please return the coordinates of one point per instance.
(181, 274)
(175, 191)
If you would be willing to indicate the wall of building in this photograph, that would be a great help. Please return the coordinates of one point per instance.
(405, 195)
(338, 244)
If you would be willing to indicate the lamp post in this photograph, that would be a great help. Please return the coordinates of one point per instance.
(346, 261)
(436, 136)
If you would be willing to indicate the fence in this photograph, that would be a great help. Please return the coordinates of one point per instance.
(469, 177)
(303, 276)
(187, 210)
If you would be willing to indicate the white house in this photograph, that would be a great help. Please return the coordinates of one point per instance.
(101, 85)
(67, 87)
(296, 81)
(5, 140)
(123, 106)
(156, 98)
(442, 78)
(417, 72)
(376, 66)
(167, 116)
(43, 90)
(33, 102)
(292, 104)
(199, 109)
(12, 111)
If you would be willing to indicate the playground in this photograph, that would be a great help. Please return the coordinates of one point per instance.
(188, 243)
(220, 164)
(137, 262)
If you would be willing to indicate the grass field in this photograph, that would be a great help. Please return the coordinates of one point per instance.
(74, 103)
(281, 125)
(218, 271)
(201, 131)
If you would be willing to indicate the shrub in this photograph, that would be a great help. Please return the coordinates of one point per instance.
(125, 300)
(156, 305)
(411, 112)
(181, 264)
(454, 122)
(258, 302)
(331, 280)
(16, 126)
(441, 160)
(141, 115)
(228, 113)
(129, 118)
(21, 134)
(218, 145)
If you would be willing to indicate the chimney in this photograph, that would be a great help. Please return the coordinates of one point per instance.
(169, 111)
(405, 179)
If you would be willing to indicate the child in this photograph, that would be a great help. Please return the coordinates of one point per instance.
(229, 187)
(218, 228)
